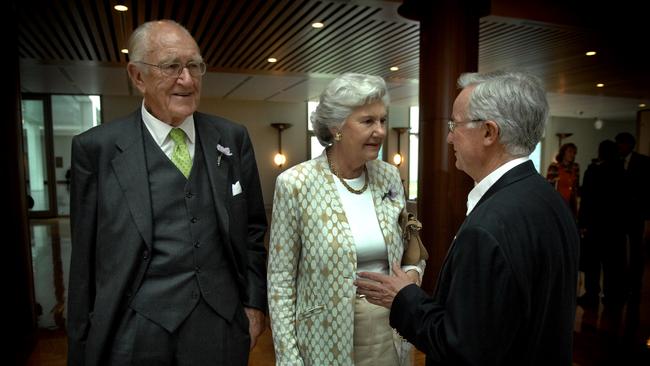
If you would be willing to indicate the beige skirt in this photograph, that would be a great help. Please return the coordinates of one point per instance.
(373, 336)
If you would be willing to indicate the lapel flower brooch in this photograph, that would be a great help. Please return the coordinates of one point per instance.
(391, 194)
(222, 151)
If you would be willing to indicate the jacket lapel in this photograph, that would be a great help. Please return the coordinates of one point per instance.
(517, 173)
(328, 188)
(377, 188)
(218, 169)
(130, 168)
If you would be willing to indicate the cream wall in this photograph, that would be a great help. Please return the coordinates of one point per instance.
(585, 136)
(398, 116)
(257, 117)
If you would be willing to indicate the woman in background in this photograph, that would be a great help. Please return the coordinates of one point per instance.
(564, 175)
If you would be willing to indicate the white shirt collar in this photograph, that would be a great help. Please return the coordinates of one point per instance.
(479, 189)
(160, 130)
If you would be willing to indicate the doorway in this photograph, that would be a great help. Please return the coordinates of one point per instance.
(49, 124)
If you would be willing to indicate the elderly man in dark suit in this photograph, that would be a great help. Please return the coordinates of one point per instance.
(506, 294)
(168, 259)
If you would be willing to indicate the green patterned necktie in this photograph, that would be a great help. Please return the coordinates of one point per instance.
(180, 154)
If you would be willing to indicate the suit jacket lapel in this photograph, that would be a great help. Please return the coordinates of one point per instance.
(218, 169)
(130, 168)
(519, 172)
(328, 188)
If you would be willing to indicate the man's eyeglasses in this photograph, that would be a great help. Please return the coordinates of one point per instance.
(175, 69)
(451, 124)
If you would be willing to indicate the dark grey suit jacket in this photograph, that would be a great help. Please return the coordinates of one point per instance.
(507, 288)
(111, 221)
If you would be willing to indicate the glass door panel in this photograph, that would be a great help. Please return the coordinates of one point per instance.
(71, 115)
(35, 143)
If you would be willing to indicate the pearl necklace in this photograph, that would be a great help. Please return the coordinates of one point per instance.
(345, 184)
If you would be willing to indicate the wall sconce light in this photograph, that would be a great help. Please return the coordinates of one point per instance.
(279, 159)
(398, 158)
(561, 136)
(598, 123)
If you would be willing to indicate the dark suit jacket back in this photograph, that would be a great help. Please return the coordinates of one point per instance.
(507, 289)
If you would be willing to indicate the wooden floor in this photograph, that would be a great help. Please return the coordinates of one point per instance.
(602, 337)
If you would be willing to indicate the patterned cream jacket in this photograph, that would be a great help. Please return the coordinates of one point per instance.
(312, 261)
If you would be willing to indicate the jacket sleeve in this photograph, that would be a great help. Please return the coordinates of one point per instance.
(475, 317)
(83, 218)
(256, 252)
(284, 254)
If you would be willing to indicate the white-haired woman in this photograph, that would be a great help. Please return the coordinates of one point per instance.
(334, 216)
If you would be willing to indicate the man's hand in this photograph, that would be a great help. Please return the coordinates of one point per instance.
(256, 320)
(381, 289)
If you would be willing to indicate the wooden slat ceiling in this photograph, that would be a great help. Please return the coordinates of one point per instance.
(237, 37)
(234, 36)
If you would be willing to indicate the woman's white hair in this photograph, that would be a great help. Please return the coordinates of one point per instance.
(341, 96)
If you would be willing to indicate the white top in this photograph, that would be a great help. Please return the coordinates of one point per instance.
(159, 130)
(479, 189)
(372, 255)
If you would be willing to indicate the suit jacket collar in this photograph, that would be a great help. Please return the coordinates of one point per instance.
(130, 168)
(517, 173)
(218, 167)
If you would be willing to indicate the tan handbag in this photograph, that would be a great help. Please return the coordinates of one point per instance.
(415, 250)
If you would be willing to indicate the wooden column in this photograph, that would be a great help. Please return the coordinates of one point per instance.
(448, 47)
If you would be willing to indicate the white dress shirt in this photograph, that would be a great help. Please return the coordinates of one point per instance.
(159, 130)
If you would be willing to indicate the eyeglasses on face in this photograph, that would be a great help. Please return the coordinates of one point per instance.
(451, 124)
(175, 69)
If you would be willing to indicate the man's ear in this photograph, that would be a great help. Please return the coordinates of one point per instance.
(135, 74)
(491, 133)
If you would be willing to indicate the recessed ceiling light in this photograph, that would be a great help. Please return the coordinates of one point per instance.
(317, 25)
(272, 59)
(600, 85)
(120, 8)
(394, 68)
(124, 50)
(642, 105)
(590, 53)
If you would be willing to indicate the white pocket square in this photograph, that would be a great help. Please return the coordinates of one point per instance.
(236, 188)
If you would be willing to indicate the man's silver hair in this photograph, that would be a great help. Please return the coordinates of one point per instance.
(516, 101)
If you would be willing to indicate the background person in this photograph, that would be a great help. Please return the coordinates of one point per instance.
(636, 208)
(333, 216)
(506, 294)
(564, 175)
(601, 225)
(168, 259)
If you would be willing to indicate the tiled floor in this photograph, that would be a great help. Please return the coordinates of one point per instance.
(603, 336)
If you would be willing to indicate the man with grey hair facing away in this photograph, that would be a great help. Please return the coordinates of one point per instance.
(507, 289)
